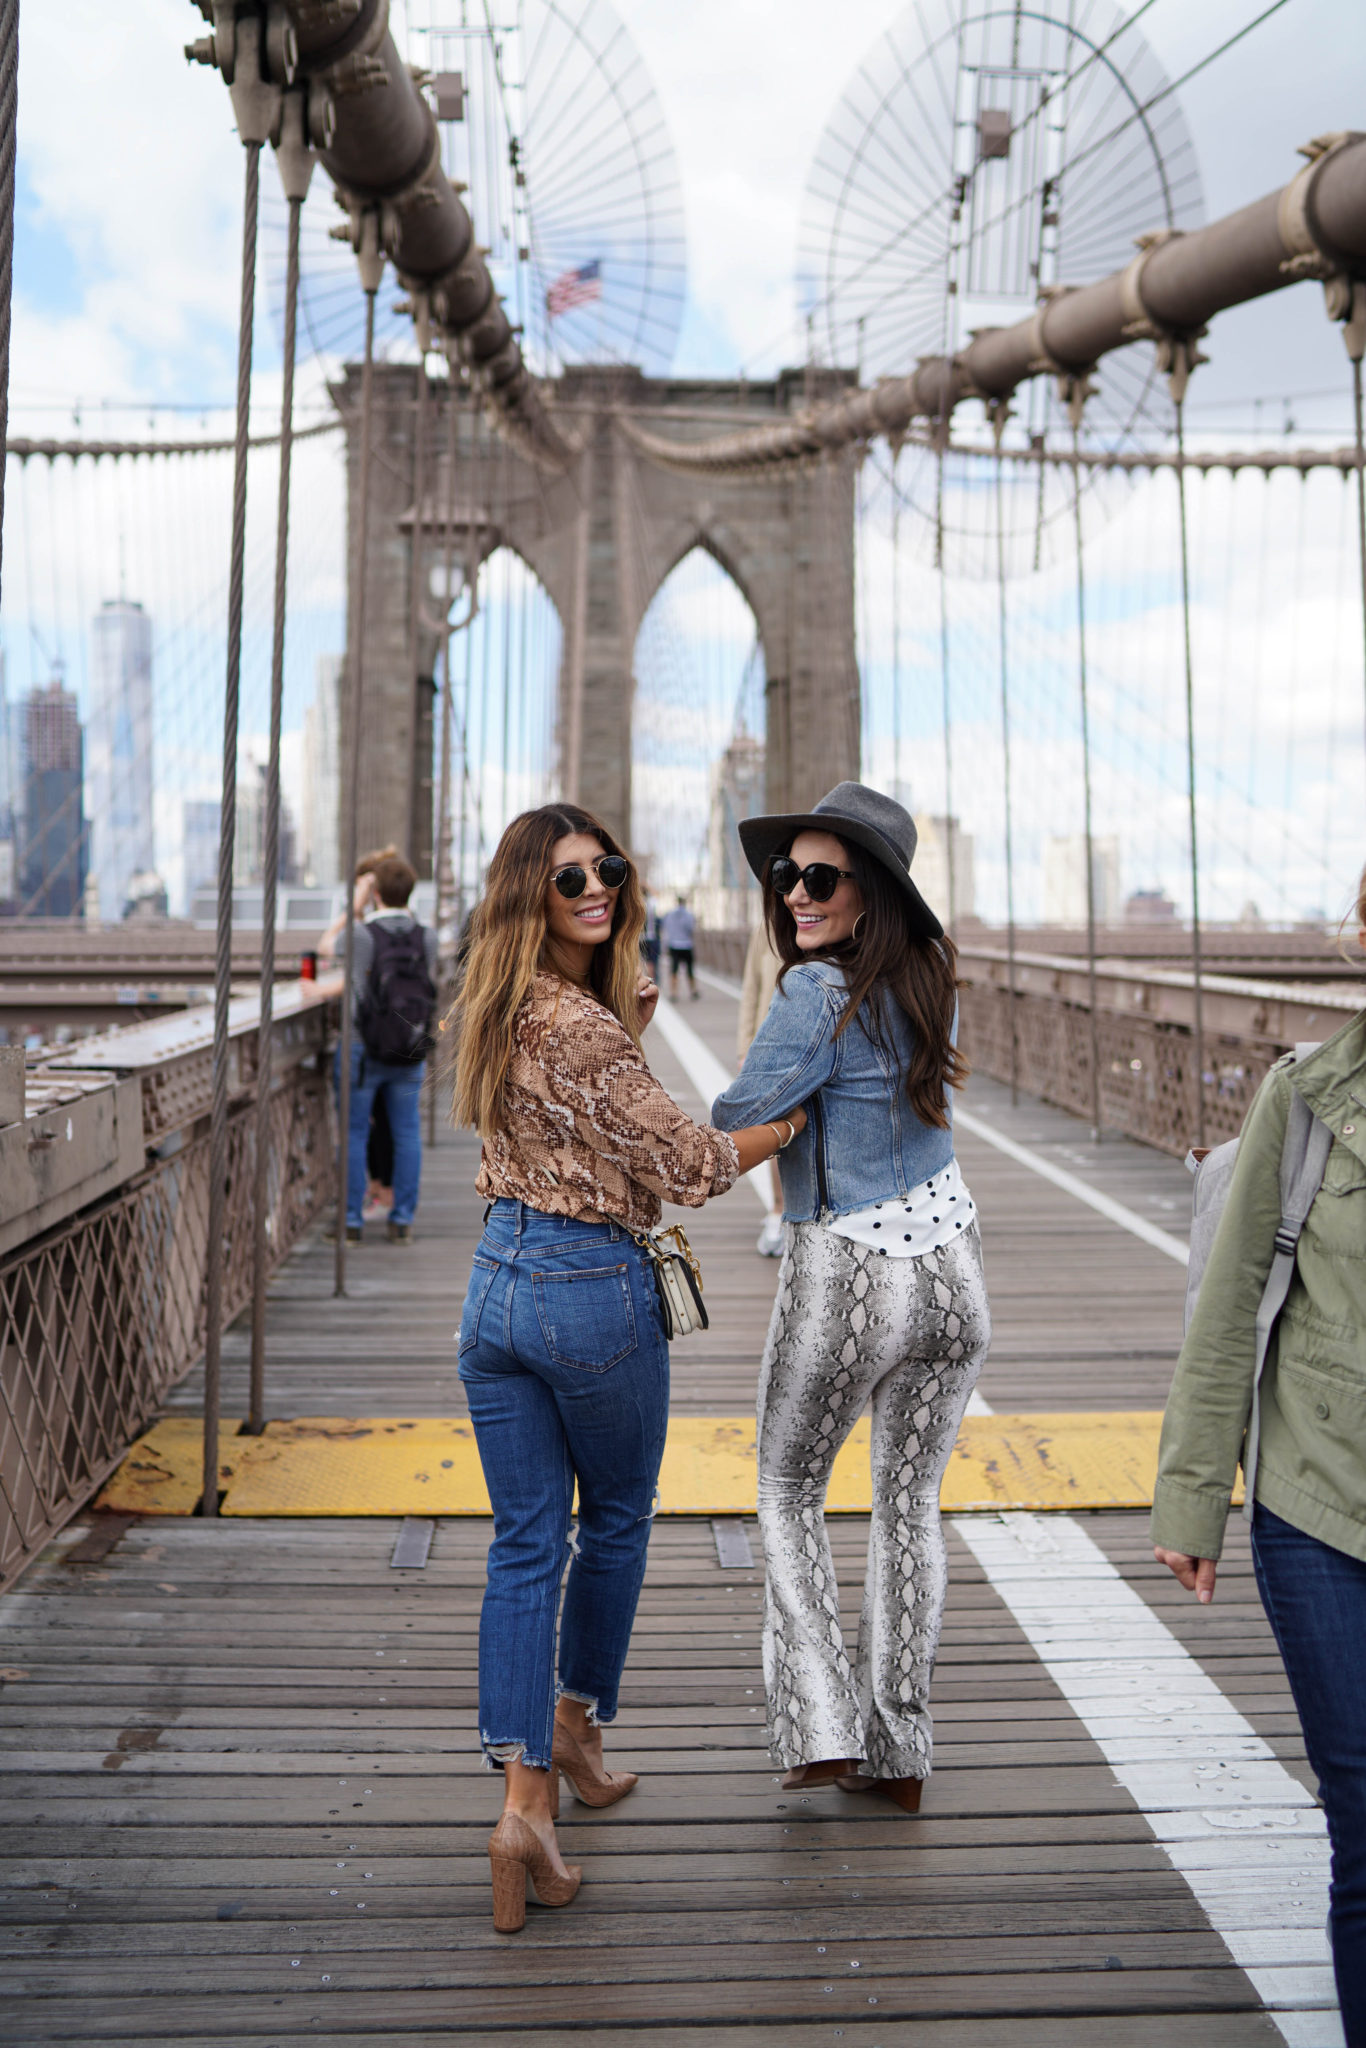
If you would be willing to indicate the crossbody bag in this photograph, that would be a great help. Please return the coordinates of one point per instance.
(677, 1278)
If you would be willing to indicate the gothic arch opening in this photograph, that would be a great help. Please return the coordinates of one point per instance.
(697, 743)
(504, 703)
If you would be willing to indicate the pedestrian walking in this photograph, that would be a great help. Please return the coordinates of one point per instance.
(677, 929)
(563, 1349)
(379, 1151)
(649, 941)
(881, 1297)
(1299, 1431)
(393, 994)
(757, 983)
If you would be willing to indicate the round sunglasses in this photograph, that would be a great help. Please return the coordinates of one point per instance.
(820, 877)
(611, 870)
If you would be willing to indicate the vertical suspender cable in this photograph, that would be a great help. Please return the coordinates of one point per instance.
(464, 784)
(1005, 772)
(1196, 960)
(9, 117)
(949, 827)
(227, 832)
(295, 160)
(415, 607)
(1356, 343)
(442, 836)
(372, 269)
(896, 620)
(1086, 788)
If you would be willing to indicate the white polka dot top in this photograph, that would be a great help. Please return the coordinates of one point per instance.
(931, 1215)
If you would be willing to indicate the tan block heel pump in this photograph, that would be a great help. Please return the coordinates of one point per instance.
(516, 1853)
(593, 1785)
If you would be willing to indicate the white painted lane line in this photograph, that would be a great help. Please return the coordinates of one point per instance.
(1244, 1834)
(1115, 1212)
(722, 983)
(707, 1074)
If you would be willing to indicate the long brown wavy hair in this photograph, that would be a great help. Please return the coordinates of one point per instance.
(888, 962)
(508, 944)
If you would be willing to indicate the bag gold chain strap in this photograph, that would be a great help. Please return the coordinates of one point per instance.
(678, 1279)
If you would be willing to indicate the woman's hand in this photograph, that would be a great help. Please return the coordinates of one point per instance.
(363, 895)
(648, 993)
(758, 1142)
(1196, 1574)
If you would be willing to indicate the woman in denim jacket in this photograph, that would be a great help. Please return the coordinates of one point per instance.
(881, 1297)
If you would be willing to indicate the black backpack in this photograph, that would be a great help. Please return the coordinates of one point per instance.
(395, 1011)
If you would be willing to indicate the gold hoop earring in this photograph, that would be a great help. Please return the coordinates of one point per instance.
(857, 922)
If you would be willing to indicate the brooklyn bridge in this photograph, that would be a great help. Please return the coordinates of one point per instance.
(1032, 493)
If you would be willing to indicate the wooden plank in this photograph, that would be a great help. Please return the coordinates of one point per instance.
(161, 1885)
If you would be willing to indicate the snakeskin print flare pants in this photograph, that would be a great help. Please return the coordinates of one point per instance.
(850, 1325)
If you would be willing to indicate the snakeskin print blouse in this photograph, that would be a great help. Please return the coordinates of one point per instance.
(587, 1129)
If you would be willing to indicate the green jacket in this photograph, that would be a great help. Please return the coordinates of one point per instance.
(1311, 1463)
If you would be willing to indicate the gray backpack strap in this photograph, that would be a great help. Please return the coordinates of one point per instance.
(1304, 1157)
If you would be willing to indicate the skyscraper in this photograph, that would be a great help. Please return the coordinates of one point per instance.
(56, 837)
(200, 820)
(119, 749)
(322, 780)
(11, 801)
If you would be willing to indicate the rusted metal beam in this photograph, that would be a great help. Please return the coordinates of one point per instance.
(383, 150)
(1315, 227)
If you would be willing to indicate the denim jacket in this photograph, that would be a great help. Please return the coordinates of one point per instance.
(863, 1141)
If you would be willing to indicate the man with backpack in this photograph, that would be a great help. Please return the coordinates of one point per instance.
(393, 992)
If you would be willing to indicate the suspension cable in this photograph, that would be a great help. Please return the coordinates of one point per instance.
(1005, 770)
(256, 1420)
(415, 606)
(359, 551)
(949, 827)
(1356, 343)
(9, 116)
(896, 621)
(1196, 961)
(227, 834)
(441, 863)
(1086, 791)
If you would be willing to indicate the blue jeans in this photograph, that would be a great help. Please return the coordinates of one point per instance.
(1315, 1599)
(566, 1369)
(403, 1099)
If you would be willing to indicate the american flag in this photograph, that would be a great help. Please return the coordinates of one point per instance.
(575, 288)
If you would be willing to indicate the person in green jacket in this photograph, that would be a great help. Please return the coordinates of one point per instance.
(1309, 1487)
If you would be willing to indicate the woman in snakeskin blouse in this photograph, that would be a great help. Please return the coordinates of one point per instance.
(563, 1351)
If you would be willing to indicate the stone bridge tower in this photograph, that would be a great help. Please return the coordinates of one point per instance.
(602, 538)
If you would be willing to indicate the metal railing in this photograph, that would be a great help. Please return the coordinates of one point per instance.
(104, 1235)
(1144, 1036)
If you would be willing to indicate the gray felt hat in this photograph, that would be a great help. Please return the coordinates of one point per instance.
(852, 811)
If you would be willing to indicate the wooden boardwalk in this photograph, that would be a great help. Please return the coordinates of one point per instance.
(241, 1802)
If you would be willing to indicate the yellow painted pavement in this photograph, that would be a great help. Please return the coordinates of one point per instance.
(328, 1465)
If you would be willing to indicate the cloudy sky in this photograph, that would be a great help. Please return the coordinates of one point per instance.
(127, 227)
(129, 178)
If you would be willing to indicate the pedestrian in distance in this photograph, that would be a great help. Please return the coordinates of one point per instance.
(649, 941)
(677, 930)
(379, 1151)
(881, 1296)
(1301, 1429)
(563, 1348)
(393, 993)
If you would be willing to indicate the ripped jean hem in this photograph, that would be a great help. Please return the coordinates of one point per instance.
(496, 1754)
(585, 1699)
